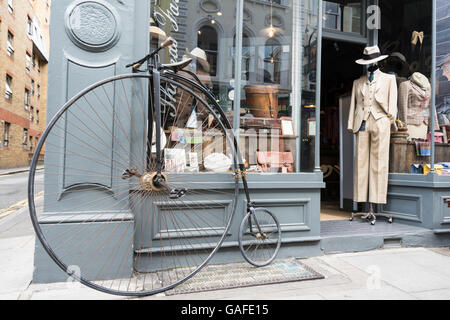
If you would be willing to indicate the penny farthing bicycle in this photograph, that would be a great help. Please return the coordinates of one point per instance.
(113, 155)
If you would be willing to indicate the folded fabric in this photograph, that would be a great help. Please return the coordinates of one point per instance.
(437, 169)
(445, 165)
(416, 169)
(438, 137)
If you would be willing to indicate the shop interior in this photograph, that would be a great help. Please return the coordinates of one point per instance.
(338, 73)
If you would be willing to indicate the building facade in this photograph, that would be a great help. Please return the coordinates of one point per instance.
(24, 38)
(302, 53)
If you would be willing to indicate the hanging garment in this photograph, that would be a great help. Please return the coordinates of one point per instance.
(414, 104)
(373, 108)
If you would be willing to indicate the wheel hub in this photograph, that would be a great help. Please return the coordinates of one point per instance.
(152, 181)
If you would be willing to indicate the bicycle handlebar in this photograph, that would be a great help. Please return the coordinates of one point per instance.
(136, 65)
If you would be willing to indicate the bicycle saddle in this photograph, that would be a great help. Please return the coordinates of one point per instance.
(177, 66)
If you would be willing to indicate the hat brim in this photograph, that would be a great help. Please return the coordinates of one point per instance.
(205, 64)
(157, 33)
(366, 62)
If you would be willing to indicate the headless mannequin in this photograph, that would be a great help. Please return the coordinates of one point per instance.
(371, 215)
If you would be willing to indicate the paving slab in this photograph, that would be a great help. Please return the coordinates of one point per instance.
(16, 267)
(443, 294)
(384, 293)
(409, 270)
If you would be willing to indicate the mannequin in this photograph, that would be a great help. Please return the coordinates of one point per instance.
(413, 103)
(372, 111)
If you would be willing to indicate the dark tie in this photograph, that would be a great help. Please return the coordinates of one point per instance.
(371, 76)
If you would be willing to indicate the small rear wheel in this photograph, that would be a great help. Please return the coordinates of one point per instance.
(260, 237)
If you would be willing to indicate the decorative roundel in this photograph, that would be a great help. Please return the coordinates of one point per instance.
(93, 25)
(210, 6)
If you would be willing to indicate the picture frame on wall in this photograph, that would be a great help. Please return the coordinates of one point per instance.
(287, 126)
(311, 127)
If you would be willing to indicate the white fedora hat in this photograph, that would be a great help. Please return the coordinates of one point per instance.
(371, 55)
(201, 57)
(157, 33)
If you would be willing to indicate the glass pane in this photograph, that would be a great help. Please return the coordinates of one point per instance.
(194, 141)
(270, 108)
(406, 37)
(204, 34)
(442, 156)
(342, 17)
(309, 84)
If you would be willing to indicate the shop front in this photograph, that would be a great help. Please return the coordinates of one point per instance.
(285, 78)
(283, 72)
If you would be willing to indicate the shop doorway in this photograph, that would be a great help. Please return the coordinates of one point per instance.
(339, 70)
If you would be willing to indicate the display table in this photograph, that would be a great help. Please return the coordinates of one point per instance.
(403, 155)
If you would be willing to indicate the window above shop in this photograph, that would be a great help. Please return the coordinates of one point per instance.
(344, 16)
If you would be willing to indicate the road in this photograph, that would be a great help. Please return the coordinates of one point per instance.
(14, 216)
(14, 188)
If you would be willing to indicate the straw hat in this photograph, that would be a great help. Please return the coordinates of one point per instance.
(371, 55)
(201, 57)
(157, 33)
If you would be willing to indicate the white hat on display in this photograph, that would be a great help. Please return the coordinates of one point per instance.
(157, 33)
(201, 57)
(371, 55)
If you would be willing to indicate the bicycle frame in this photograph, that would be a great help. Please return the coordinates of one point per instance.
(154, 68)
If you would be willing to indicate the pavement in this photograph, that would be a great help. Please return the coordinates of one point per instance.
(400, 274)
(387, 274)
(5, 172)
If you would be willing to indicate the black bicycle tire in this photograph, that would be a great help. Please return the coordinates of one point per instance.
(241, 242)
(31, 180)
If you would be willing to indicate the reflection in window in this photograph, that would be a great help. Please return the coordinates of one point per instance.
(272, 61)
(345, 18)
(208, 41)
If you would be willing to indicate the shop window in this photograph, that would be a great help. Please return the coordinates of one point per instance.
(271, 107)
(209, 42)
(406, 37)
(276, 84)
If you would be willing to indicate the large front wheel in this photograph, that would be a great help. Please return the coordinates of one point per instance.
(113, 219)
(260, 237)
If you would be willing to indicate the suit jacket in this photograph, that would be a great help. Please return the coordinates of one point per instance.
(411, 101)
(378, 98)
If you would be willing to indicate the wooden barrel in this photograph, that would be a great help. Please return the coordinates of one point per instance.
(262, 100)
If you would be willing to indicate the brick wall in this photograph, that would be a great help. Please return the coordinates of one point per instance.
(14, 112)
